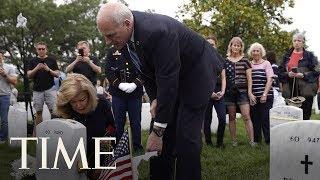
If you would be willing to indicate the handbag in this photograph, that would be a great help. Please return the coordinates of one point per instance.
(307, 89)
(295, 100)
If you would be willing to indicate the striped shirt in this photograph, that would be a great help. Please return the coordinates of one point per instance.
(236, 74)
(260, 73)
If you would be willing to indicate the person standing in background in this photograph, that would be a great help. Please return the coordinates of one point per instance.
(262, 75)
(8, 77)
(42, 70)
(84, 63)
(239, 88)
(299, 66)
(216, 100)
(126, 91)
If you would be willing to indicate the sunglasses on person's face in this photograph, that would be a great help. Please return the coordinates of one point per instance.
(41, 49)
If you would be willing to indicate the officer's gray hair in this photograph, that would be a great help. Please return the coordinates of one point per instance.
(299, 35)
(119, 14)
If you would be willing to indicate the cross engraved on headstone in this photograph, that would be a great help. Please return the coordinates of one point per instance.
(306, 162)
(294, 156)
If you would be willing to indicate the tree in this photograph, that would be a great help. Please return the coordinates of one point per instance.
(61, 27)
(252, 20)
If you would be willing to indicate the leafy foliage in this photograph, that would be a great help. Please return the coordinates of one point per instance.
(252, 20)
(61, 27)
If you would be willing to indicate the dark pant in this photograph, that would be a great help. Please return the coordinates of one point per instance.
(4, 110)
(261, 119)
(220, 108)
(181, 142)
(307, 108)
(133, 105)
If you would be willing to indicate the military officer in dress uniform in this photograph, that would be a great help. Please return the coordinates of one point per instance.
(126, 90)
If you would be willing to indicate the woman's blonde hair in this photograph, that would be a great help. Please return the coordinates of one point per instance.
(254, 46)
(232, 41)
(71, 87)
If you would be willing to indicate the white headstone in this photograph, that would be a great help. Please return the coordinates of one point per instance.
(215, 121)
(282, 114)
(45, 113)
(315, 105)
(70, 132)
(278, 100)
(145, 116)
(17, 124)
(294, 151)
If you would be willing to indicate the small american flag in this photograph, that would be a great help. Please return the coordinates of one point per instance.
(122, 161)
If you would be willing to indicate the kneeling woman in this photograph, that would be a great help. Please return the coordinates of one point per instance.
(77, 99)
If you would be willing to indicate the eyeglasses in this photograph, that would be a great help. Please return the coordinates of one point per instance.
(41, 49)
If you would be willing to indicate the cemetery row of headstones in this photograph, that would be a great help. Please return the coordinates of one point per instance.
(294, 146)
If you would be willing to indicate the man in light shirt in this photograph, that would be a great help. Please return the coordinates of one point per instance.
(7, 77)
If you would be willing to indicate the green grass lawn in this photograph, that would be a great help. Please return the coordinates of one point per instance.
(242, 162)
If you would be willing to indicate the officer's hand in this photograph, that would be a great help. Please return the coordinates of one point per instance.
(154, 143)
(124, 86)
(131, 88)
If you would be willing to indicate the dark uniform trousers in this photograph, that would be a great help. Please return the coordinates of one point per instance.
(132, 104)
(119, 69)
(177, 137)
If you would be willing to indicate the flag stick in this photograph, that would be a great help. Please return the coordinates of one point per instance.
(130, 140)
(130, 135)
